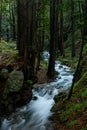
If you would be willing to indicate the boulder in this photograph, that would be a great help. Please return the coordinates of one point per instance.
(3, 74)
(14, 83)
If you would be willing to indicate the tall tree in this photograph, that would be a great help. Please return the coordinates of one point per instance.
(80, 56)
(53, 31)
(85, 17)
(13, 21)
(73, 27)
(0, 19)
(61, 44)
(0, 24)
(26, 33)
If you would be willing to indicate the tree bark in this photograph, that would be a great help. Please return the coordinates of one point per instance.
(80, 57)
(51, 66)
(26, 35)
(1, 20)
(0, 25)
(61, 30)
(85, 18)
(13, 24)
(73, 28)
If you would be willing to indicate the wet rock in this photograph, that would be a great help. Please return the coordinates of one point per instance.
(60, 66)
(34, 98)
(17, 99)
(3, 74)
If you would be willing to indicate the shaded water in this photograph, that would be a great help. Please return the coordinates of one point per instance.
(34, 116)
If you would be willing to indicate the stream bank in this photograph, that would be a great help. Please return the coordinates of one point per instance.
(72, 114)
(35, 115)
(14, 92)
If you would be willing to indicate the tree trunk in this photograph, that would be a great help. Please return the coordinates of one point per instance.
(21, 39)
(61, 30)
(51, 66)
(80, 56)
(85, 18)
(1, 20)
(73, 28)
(13, 24)
(7, 34)
(26, 34)
(0, 25)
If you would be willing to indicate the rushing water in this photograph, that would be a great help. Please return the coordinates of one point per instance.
(34, 116)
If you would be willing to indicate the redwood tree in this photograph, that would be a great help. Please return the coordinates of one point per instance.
(26, 26)
(0, 24)
(61, 43)
(0, 19)
(53, 32)
(73, 27)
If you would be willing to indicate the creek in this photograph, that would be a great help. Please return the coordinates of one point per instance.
(34, 115)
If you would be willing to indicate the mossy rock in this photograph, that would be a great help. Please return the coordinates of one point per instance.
(14, 82)
(4, 74)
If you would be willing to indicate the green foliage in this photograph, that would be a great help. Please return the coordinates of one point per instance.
(82, 82)
(84, 92)
(6, 7)
(85, 49)
(84, 128)
(43, 64)
(81, 23)
(29, 82)
(72, 123)
(7, 47)
(8, 53)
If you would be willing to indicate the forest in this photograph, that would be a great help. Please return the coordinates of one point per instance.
(43, 64)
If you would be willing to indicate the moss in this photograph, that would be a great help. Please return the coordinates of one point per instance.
(85, 49)
(84, 128)
(72, 109)
(77, 102)
(8, 53)
(82, 83)
(43, 64)
(7, 47)
(72, 123)
(30, 82)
